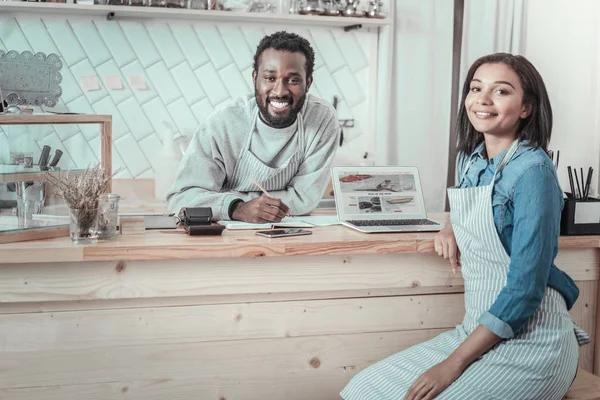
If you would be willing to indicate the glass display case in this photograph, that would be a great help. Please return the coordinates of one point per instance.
(33, 145)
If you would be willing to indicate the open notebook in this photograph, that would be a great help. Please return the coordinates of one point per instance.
(309, 221)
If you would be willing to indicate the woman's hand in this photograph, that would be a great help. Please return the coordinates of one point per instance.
(445, 245)
(434, 381)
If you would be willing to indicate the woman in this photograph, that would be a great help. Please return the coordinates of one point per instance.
(517, 340)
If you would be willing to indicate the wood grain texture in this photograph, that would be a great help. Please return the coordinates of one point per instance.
(223, 277)
(106, 150)
(176, 244)
(224, 322)
(18, 173)
(597, 336)
(34, 234)
(44, 119)
(582, 264)
(132, 225)
(313, 385)
(255, 360)
(154, 302)
(584, 314)
(585, 387)
(57, 281)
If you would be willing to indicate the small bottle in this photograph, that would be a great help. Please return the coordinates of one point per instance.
(108, 215)
(166, 167)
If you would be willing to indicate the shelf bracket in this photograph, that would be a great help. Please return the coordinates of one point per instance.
(110, 16)
(352, 27)
(346, 123)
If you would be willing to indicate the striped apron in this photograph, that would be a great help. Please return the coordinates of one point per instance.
(249, 166)
(539, 363)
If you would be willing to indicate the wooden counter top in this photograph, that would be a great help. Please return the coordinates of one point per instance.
(176, 244)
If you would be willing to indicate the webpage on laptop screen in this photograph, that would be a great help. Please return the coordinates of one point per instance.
(382, 194)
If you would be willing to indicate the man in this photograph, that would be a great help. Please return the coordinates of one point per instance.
(282, 140)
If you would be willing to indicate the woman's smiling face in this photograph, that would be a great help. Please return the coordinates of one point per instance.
(494, 104)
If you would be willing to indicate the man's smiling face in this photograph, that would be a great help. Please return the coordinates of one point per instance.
(280, 86)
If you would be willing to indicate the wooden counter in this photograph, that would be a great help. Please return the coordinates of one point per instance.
(163, 315)
(176, 244)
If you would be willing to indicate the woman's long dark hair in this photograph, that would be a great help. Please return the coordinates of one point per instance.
(536, 128)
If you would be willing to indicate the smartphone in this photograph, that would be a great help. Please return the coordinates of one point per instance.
(275, 233)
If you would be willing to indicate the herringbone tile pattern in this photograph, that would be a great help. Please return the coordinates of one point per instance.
(190, 68)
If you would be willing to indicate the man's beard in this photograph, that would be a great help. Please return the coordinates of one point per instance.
(276, 121)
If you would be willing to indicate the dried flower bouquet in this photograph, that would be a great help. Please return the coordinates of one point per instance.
(81, 191)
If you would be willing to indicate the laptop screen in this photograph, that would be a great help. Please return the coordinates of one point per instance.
(378, 192)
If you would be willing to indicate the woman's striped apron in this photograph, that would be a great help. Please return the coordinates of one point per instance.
(539, 363)
(249, 166)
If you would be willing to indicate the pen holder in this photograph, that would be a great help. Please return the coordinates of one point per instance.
(580, 217)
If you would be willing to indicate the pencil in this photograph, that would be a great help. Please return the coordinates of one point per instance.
(265, 193)
(260, 187)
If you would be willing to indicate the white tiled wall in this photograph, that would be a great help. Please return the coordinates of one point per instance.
(189, 67)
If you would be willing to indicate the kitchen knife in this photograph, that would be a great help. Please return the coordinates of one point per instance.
(44, 157)
(57, 155)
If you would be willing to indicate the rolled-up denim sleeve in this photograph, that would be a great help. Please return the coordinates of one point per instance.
(537, 201)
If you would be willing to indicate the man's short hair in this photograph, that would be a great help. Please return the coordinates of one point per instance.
(286, 41)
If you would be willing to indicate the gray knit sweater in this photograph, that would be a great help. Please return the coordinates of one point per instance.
(213, 151)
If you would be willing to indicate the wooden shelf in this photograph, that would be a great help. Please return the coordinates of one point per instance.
(29, 175)
(111, 12)
(42, 119)
(18, 173)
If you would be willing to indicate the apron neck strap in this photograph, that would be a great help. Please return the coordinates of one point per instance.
(507, 157)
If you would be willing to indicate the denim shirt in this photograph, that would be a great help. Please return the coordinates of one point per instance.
(527, 202)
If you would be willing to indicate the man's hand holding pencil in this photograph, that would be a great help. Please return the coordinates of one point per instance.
(263, 209)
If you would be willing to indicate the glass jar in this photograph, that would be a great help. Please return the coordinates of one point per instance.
(108, 215)
(83, 225)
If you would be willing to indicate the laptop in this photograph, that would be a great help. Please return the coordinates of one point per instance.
(381, 199)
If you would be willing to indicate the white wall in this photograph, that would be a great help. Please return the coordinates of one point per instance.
(422, 86)
(562, 40)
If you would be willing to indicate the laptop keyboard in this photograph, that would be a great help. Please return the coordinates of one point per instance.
(393, 222)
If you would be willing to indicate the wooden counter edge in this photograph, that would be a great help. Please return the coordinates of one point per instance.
(242, 245)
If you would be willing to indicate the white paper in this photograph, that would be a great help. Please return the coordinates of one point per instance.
(320, 220)
(309, 221)
(138, 82)
(113, 82)
(89, 83)
(287, 222)
(587, 212)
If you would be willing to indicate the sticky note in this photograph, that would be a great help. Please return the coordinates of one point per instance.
(138, 82)
(89, 83)
(113, 82)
